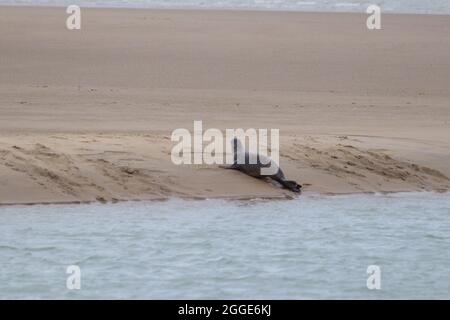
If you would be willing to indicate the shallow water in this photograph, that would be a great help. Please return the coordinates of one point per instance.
(312, 247)
(401, 6)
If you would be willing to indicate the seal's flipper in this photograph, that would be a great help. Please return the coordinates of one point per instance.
(291, 185)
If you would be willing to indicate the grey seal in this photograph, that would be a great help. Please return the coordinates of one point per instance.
(254, 169)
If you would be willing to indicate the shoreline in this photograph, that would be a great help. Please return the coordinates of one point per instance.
(309, 195)
(224, 9)
(88, 115)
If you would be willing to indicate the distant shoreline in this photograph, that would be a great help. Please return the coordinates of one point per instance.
(225, 9)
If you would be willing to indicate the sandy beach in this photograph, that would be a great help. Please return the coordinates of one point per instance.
(87, 115)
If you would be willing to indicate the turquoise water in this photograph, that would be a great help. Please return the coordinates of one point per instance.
(406, 6)
(312, 247)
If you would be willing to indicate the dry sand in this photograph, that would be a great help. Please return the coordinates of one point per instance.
(87, 115)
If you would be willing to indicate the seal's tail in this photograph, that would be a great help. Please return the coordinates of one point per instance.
(291, 185)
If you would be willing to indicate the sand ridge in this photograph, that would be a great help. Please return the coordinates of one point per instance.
(113, 167)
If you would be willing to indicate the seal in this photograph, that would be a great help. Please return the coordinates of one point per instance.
(254, 169)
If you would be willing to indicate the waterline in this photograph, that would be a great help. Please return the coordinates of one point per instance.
(392, 6)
